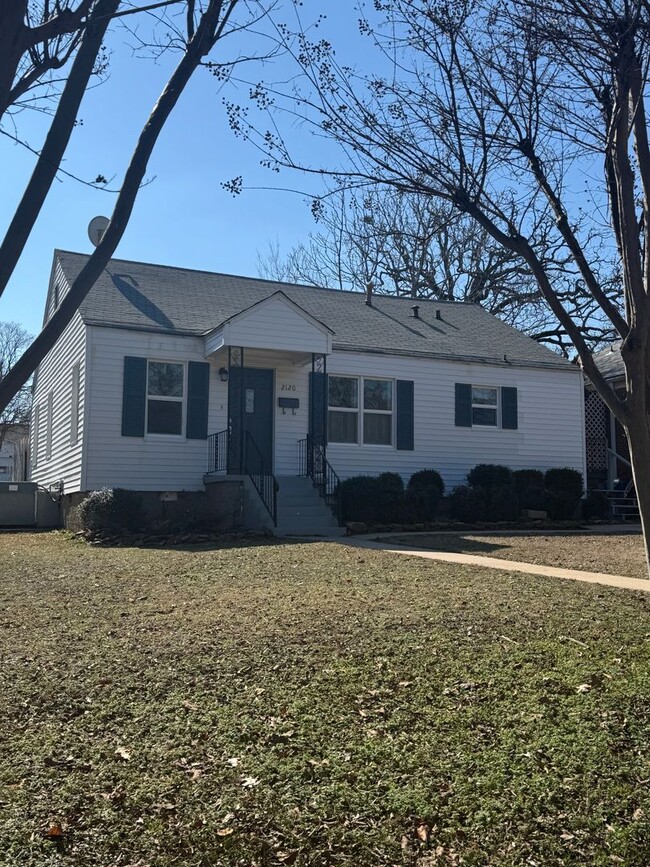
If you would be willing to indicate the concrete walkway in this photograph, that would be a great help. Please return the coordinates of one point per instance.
(621, 581)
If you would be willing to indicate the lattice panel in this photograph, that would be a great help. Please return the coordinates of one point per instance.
(596, 424)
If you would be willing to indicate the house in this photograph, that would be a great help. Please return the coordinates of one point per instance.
(607, 451)
(171, 381)
(14, 452)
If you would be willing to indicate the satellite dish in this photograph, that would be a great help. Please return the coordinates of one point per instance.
(96, 229)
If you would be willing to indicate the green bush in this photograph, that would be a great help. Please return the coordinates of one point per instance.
(526, 479)
(468, 504)
(595, 505)
(560, 505)
(423, 494)
(533, 498)
(390, 498)
(503, 504)
(489, 476)
(111, 509)
(358, 498)
(564, 479)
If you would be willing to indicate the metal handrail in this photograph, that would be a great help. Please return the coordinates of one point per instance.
(619, 457)
(324, 477)
(218, 452)
(264, 481)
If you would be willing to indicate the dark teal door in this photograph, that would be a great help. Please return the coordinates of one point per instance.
(250, 410)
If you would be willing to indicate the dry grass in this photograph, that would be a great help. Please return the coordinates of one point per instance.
(271, 704)
(613, 554)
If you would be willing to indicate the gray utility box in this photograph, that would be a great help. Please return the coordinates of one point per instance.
(22, 504)
(18, 504)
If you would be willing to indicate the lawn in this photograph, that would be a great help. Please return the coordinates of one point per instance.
(314, 704)
(614, 554)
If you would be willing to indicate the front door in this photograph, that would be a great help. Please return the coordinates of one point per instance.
(250, 410)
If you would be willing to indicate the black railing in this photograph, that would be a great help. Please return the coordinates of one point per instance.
(218, 452)
(265, 482)
(313, 464)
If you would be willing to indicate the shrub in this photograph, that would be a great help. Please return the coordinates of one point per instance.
(503, 504)
(468, 504)
(533, 498)
(560, 505)
(527, 479)
(111, 509)
(489, 476)
(564, 479)
(423, 494)
(595, 505)
(358, 497)
(390, 497)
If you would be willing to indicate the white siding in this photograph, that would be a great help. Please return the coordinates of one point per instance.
(54, 376)
(275, 324)
(550, 431)
(550, 417)
(152, 462)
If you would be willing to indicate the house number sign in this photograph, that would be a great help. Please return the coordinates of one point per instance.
(287, 387)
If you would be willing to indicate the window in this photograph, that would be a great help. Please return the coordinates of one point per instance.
(343, 416)
(372, 422)
(50, 425)
(74, 406)
(36, 434)
(485, 406)
(165, 389)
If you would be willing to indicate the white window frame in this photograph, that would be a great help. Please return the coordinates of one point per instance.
(75, 386)
(36, 435)
(360, 411)
(182, 400)
(49, 431)
(495, 406)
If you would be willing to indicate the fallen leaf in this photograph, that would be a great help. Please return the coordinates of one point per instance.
(54, 832)
(232, 762)
(123, 754)
(225, 832)
(423, 833)
(250, 782)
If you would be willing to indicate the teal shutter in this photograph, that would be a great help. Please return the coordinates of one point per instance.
(405, 412)
(134, 396)
(463, 405)
(198, 386)
(509, 419)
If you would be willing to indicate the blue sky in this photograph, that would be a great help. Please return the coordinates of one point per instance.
(183, 217)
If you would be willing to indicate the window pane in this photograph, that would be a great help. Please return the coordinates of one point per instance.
(165, 380)
(481, 415)
(165, 416)
(377, 394)
(342, 427)
(485, 396)
(343, 391)
(250, 400)
(377, 429)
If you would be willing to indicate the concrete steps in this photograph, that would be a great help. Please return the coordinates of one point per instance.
(302, 511)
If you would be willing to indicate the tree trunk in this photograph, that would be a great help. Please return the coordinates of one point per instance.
(638, 438)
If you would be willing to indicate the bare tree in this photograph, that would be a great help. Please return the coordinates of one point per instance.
(13, 341)
(194, 34)
(385, 241)
(528, 117)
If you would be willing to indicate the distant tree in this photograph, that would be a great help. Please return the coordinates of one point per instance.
(392, 243)
(13, 341)
(193, 32)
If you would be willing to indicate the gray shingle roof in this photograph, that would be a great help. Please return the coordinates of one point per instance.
(610, 363)
(148, 297)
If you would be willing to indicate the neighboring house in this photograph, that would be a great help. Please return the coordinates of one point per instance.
(167, 374)
(14, 455)
(608, 455)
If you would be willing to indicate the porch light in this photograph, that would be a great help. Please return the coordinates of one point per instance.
(223, 374)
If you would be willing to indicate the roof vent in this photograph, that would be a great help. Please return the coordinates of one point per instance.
(438, 314)
(416, 311)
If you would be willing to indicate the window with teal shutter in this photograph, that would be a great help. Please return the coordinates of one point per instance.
(463, 415)
(405, 399)
(509, 411)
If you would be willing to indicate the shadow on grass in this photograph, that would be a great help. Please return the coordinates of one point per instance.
(456, 544)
